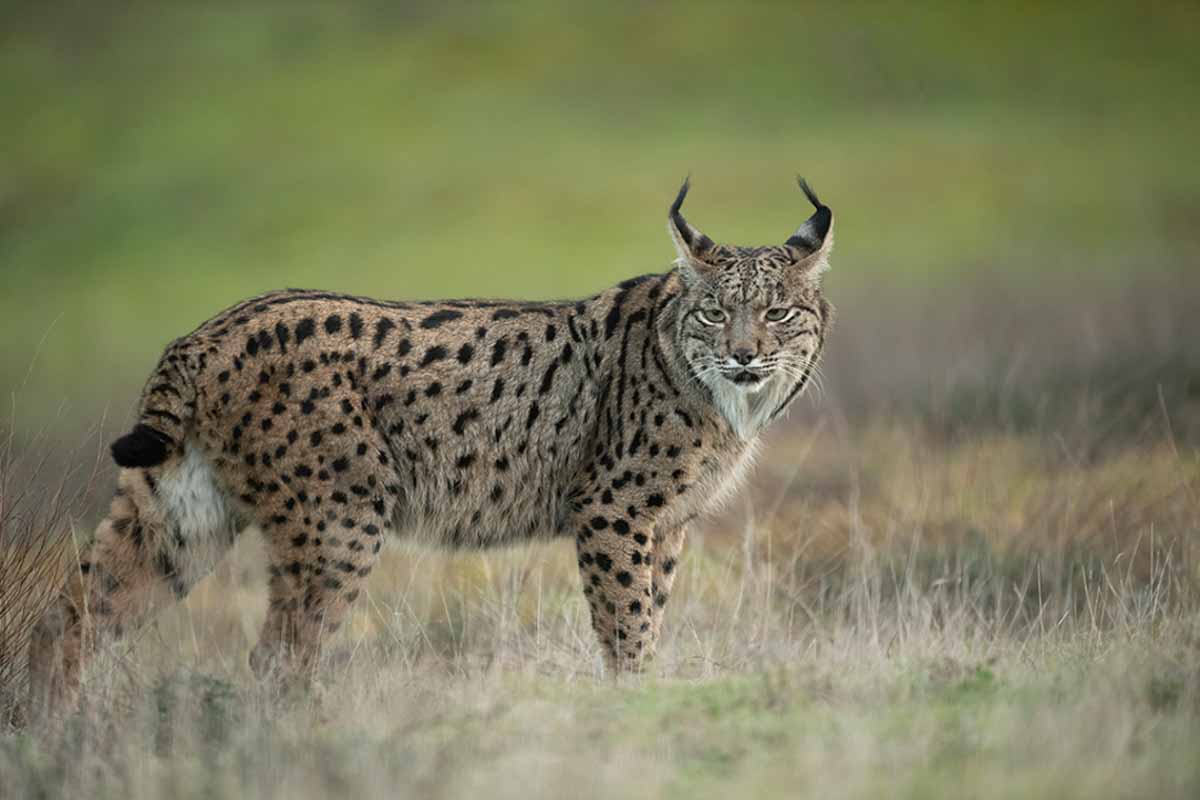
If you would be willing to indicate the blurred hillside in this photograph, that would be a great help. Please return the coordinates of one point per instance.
(160, 161)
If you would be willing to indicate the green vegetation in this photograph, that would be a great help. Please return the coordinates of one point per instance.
(161, 161)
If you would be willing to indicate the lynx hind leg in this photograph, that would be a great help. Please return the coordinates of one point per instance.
(318, 564)
(154, 545)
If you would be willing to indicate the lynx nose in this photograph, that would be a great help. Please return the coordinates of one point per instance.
(743, 356)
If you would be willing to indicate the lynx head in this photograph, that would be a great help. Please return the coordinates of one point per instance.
(752, 319)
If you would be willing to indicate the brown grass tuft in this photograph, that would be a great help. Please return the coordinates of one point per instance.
(37, 511)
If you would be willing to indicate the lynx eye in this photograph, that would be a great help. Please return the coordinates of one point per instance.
(712, 316)
(778, 314)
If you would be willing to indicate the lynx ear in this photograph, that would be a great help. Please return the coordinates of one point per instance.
(689, 242)
(813, 240)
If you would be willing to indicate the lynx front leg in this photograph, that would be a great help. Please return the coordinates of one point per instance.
(615, 563)
(668, 544)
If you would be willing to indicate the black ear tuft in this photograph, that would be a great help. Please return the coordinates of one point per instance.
(810, 236)
(681, 225)
(690, 242)
(142, 447)
(809, 193)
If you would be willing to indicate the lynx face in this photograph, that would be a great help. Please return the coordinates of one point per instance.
(752, 319)
(748, 320)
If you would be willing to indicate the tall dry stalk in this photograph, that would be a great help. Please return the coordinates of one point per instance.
(38, 504)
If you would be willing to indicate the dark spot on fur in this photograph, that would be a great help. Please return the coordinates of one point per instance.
(435, 353)
(460, 422)
(305, 329)
(436, 319)
(498, 350)
(382, 327)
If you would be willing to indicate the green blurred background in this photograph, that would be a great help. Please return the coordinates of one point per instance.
(159, 162)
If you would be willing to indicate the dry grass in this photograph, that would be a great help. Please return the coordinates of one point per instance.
(888, 613)
(38, 506)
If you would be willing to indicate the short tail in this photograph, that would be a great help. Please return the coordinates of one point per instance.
(168, 406)
(144, 446)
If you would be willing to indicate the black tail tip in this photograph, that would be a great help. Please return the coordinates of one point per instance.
(142, 447)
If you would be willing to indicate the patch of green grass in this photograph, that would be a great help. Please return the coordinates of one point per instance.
(987, 735)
